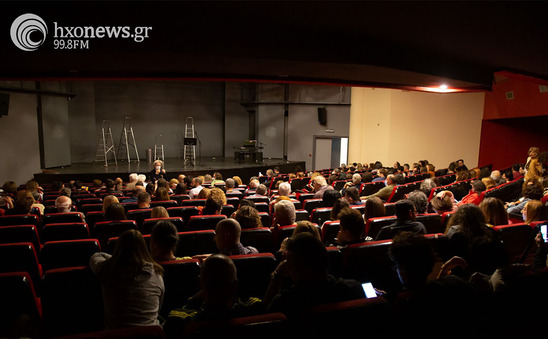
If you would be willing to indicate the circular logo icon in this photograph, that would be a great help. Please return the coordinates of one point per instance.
(28, 32)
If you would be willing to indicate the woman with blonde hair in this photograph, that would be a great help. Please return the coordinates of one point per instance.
(494, 211)
(532, 211)
(238, 180)
(533, 167)
(159, 212)
(489, 182)
(108, 200)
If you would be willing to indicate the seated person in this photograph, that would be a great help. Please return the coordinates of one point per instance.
(405, 214)
(352, 195)
(306, 263)
(531, 192)
(248, 217)
(227, 238)
(474, 196)
(419, 200)
(216, 300)
(352, 227)
(385, 192)
(143, 200)
(320, 186)
(159, 212)
(135, 193)
(163, 241)
(443, 202)
(284, 214)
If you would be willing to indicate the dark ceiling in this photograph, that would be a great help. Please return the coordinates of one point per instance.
(370, 43)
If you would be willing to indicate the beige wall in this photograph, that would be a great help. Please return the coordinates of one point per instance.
(394, 125)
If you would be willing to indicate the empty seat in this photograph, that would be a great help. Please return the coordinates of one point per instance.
(320, 215)
(20, 219)
(195, 242)
(390, 208)
(232, 200)
(371, 188)
(104, 230)
(90, 207)
(204, 222)
(258, 199)
(193, 202)
(227, 210)
(20, 305)
(516, 239)
(128, 206)
(312, 204)
(184, 212)
(330, 229)
(56, 218)
(304, 196)
(254, 273)
(20, 233)
(373, 225)
(139, 216)
(261, 238)
(166, 204)
(148, 224)
(265, 219)
(21, 257)
(432, 222)
(179, 197)
(66, 290)
(64, 231)
(181, 282)
(68, 253)
(262, 206)
(302, 214)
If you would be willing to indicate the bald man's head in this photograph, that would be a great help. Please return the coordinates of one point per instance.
(227, 234)
(63, 204)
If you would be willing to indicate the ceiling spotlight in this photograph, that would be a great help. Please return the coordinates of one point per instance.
(443, 86)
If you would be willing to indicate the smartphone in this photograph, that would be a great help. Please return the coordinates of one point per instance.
(369, 290)
(544, 232)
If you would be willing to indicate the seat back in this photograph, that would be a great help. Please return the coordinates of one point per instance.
(104, 230)
(181, 282)
(179, 197)
(184, 212)
(369, 261)
(193, 202)
(21, 257)
(204, 222)
(311, 204)
(268, 326)
(266, 221)
(19, 298)
(55, 218)
(20, 219)
(432, 222)
(66, 290)
(148, 224)
(135, 332)
(516, 239)
(90, 207)
(371, 188)
(139, 216)
(65, 231)
(302, 214)
(195, 242)
(20, 233)
(330, 229)
(373, 225)
(93, 217)
(68, 253)
(227, 210)
(166, 203)
(390, 208)
(262, 206)
(253, 273)
(320, 215)
(261, 238)
(304, 196)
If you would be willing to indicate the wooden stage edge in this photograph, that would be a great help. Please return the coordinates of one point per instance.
(228, 167)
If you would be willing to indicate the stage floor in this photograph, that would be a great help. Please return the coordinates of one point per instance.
(174, 166)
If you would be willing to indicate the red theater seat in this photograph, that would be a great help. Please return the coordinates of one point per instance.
(68, 253)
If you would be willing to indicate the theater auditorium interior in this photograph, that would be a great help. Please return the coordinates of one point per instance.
(310, 93)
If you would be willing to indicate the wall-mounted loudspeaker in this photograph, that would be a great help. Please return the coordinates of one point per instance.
(4, 104)
(322, 116)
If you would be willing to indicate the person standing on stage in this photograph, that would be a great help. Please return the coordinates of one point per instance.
(158, 171)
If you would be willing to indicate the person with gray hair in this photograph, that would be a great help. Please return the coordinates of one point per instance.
(419, 200)
(261, 191)
(284, 214)
(320, 186)
(284, 189)
(356, 182)
(427, 185)
(385, 192)
(142, 178)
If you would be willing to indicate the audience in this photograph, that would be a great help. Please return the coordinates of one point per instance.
(385, 192)
(352, 227)
(443, 202)
(196, 187)
(474, 196)
(374, 207)
(306, 263)
(419, 200)
(248, 217)
(320, 187)
(227, 238)
(163, 241)
(143, 200)
(533, 211)
(494, 212)
(352, 195)
(159, 212)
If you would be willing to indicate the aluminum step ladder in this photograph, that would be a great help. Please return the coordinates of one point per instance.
(105, 145)
(190, 142)
(127, 142)
(159, 148)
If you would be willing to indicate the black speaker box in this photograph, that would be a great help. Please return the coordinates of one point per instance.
(4, 103)
(322, 116)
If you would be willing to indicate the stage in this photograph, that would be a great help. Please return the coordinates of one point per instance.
(228, 167)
